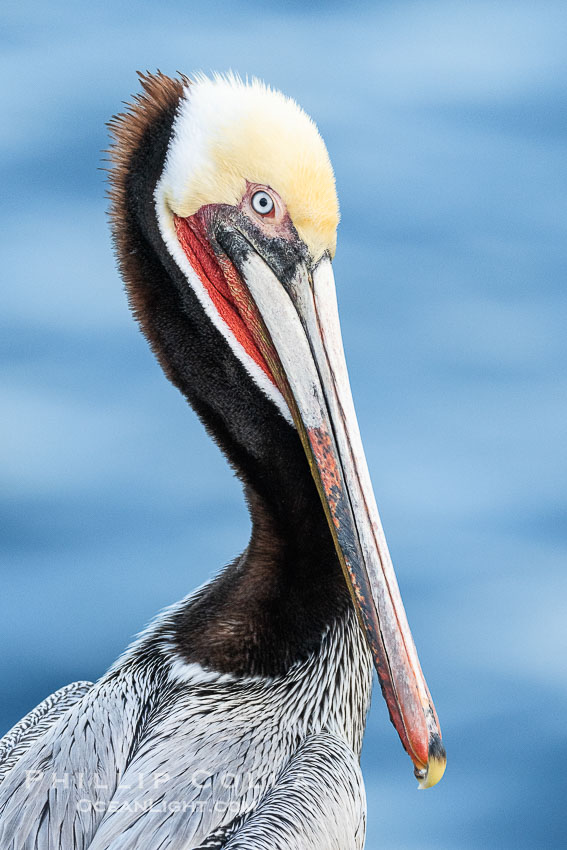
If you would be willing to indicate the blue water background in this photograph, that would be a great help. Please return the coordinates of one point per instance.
(447, 126)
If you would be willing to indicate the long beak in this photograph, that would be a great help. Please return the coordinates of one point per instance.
(291, 312)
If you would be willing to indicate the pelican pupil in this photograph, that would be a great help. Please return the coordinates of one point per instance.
(262, 203)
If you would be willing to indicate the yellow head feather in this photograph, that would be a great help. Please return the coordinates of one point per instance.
(228, 132)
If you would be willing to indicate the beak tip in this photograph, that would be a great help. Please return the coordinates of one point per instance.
(437, 762)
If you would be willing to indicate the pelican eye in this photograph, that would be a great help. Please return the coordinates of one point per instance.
(262, 203)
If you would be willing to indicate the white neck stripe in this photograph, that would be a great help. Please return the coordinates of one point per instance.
(254, 370)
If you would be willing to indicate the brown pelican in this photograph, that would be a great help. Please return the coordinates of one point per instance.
(236, 719)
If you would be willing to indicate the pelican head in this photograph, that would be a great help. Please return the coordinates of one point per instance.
(243, 215)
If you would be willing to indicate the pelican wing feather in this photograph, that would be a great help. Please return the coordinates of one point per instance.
(36, 723)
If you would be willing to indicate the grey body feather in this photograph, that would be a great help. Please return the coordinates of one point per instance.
(159, 754)
(34, 725)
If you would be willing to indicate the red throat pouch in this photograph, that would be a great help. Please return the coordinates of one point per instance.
(215, 274)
